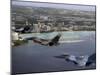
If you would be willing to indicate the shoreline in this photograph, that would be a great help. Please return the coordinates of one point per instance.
(62, 31)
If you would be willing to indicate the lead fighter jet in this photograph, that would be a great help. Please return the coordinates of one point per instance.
(46, 42)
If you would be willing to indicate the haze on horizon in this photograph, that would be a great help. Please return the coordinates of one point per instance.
(54, 5)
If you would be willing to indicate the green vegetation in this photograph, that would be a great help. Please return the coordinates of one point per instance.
(19, 42)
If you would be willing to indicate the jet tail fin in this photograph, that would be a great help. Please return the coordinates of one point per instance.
(55, 40)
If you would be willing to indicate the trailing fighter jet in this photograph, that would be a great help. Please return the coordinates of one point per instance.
(80, 60)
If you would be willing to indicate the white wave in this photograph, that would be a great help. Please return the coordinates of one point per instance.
(71, 41)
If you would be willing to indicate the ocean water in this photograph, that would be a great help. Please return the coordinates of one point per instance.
(66, 35)
(35, 58)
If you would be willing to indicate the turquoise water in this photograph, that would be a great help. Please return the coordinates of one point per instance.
(66, 35)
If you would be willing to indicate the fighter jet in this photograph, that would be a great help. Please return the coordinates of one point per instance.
(46, 42)
(84, 60)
